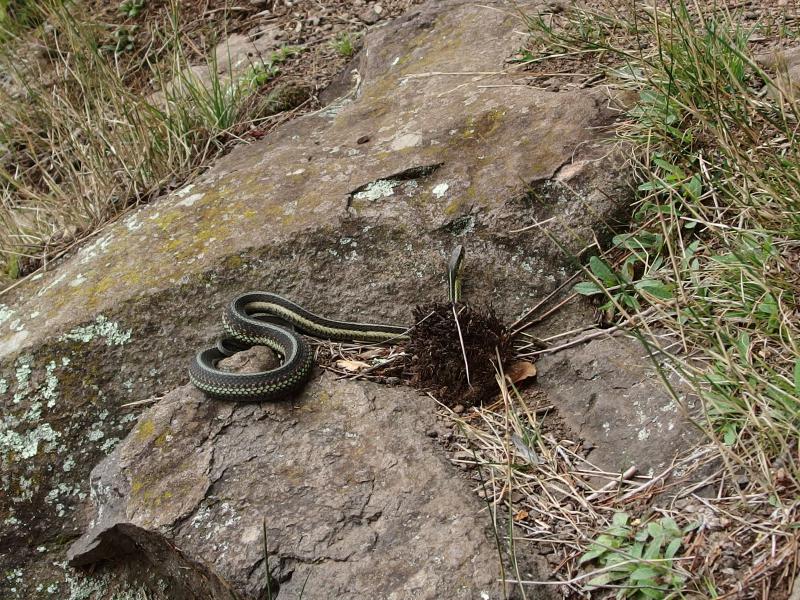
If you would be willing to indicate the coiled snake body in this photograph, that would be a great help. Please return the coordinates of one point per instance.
(249, 320)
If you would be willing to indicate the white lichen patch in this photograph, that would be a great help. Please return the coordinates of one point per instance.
(69, 464)
(185, 191)
(51, 285)
(382, 188)
(22, 374)
(407, 140)
(5, 313)
(78, 281)
(189, 202)
(108, 446)
(440, 190)
(102, 328)
(212, 524)
(95, 248)
(130, 417)
(334, 108)
(50, 390)
(24, 445)
(11, 344)
(86, 587)
(132, 223)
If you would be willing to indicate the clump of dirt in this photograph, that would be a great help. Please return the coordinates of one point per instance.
(450, 339)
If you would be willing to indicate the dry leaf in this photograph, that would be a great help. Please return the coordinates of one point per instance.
(521, 370)
(521, 515)
(353, 366)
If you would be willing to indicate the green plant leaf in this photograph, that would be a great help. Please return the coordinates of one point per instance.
(672, 548)
(620, 518)
(642, 573)
(618, 531)
(606, 578)
(729, 436)
(651, 593)
(653, 549)
(654, 529)
(655, 288)
(587, 288)
(592, 553)
(602, 271)
(694, 188)
(673, 170)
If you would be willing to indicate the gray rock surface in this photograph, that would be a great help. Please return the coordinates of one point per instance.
(357, 501)
(457, 152)
(784, 65)
(609, 393)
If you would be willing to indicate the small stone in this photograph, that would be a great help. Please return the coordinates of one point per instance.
(368, 16)
(458, 409)
(378, 9)
(252, 360)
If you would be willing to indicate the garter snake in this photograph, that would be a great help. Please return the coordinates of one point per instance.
(266, 319)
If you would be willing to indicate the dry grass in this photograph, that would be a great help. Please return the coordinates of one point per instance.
(78, 145)
(708, 279)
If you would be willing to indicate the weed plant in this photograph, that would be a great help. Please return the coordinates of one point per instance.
(78, 145)
(713, 255)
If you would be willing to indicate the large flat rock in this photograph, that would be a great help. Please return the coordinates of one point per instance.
(456, 151)
(357, 501)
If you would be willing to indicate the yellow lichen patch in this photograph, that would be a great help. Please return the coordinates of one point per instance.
(165, 221)
(136, 486)
(201, 240)
(98, 291)
(144, 430)
(234, 262)
(452, 207)
(161, 440)
(172, 245)
(482, 126)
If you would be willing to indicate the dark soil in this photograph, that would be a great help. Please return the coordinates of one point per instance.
(441, 347)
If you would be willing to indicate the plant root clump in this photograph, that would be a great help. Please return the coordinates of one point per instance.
(437, 353)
